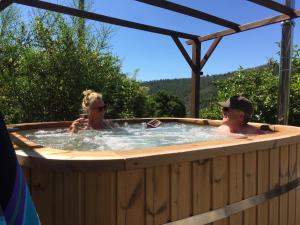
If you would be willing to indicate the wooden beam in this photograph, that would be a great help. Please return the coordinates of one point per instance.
(275, 6)
(184, 53)
(196, 56)
(191, 12)
(101, 18)
(210, 51)
(249, 26)
(4, 4)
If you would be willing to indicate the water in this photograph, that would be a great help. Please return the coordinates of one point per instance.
(124, 137)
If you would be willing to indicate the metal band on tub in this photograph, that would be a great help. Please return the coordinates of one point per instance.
(237, 207)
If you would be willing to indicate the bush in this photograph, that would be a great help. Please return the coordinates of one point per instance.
(260, 86)
(44, 70)
(163, 104)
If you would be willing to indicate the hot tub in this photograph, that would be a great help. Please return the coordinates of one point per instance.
(252, 180)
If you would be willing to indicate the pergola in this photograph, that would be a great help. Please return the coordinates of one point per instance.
(286, 14)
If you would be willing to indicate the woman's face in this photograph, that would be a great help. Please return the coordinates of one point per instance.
(97, 109)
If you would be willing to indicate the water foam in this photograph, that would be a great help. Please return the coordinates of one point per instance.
(124, 137)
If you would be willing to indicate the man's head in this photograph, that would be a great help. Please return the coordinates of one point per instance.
(237, 109)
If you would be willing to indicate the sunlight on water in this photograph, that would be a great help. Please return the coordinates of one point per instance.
(124, 137)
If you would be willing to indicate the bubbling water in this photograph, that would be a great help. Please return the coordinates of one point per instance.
(124, 137)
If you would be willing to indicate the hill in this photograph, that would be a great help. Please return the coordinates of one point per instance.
(182, 88)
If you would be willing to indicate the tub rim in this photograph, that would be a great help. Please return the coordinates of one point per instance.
(35, 156)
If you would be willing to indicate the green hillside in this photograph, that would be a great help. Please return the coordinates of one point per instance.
(182, 88)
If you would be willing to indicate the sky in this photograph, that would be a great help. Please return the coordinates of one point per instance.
(156, 56)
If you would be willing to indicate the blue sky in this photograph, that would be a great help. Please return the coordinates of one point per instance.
(157, 57)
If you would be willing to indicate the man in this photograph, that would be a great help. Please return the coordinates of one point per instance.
(237, 111)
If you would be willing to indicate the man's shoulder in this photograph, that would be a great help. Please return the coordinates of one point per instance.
(223, 128)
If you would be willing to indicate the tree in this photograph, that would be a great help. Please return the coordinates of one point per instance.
(163, 104)
(44, 70)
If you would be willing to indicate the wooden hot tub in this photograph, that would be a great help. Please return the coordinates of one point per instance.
(238, 181)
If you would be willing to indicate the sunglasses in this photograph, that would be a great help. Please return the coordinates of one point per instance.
(100, 108)
(225, 109)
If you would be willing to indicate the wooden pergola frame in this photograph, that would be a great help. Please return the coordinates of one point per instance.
(196, 63)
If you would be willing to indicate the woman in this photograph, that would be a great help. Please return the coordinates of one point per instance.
(94, 107)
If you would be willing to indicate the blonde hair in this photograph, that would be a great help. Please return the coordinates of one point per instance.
(89, 97)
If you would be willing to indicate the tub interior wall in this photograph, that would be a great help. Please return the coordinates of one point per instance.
(160, 194)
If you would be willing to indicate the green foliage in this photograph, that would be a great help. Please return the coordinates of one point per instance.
(164, 104)
(45, 68)
(294, 114)
(260, 85)
(126, 96)
(257, 86)
(46, 64)
(182, 89)
(178, 87)
(211, 112)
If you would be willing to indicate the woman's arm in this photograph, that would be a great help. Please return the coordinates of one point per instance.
(77, 125)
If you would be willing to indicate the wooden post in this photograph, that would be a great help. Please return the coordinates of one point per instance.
(196, 56)
(285, 68)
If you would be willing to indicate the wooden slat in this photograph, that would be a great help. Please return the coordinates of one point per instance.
(274, 183)
(72, 199)
(275, 6)
(201, 186)
(122, 197)
(158, 195)
(250, 175)
(131, 197)
(181, 191)
(284, 178)
(220, 185)
(150, 188)
(81, 195)
(236, 185)
(245, 27)
(102, 18)
(91, 200)
(162, 195)
(190, 12)
(262, 185)
(58, 198)
(298, 190)
(292, 176)
(106, 198)
(42, 194)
